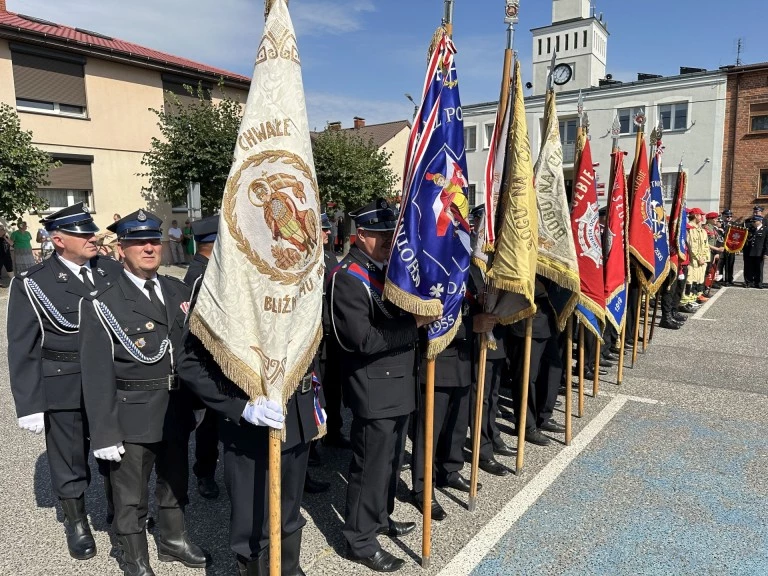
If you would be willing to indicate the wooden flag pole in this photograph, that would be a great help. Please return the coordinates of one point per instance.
(429, 424)
(581, 370)
(522, 416)
(653, 319)
(637, 329)
(596, 379)
(478, 422)
(569, 380)
(275, 553)
(646, 329)
(622, 339)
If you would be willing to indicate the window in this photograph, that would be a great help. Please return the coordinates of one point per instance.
(674, 116)
(557, 43)
(763, 192)
(488, 135)
(549, 45)
(470, 137)
(575, 40)
(627, 119)
(758, 118)
(567, 38)
(48, 81)
(568, 129)
(472, 195)
(541, 43)
(177, 86)
(585, 38)
(70, 183)
(668, 185)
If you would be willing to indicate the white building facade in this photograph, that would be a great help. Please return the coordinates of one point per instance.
(691, 107)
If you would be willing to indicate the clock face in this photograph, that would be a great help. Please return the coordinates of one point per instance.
(562, 74)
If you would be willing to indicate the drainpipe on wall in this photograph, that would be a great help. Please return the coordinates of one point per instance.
(731, 160)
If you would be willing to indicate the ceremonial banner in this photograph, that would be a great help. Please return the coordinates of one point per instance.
(259, 307)
(677, 222)
(512, 264)
(585, 223)
(557, 254)
(735, 240)
(429, 263)
(615, 247)
(648, 241)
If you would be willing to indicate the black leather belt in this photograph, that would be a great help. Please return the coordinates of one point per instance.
(170, 382)
(306, 384)
(61, 356)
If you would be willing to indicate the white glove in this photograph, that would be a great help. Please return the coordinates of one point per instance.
(111, 453)
(199, 415)
(34, 422)
(265, 413)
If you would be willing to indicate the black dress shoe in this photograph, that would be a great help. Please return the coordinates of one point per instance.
(611, 357)
(458, 482)
(208, 488)
(552, 426)
(605, 363)
(669, 324)
(679, 318)
(312, 486)
(493, 467)
(396, 529)
(590, 375)
(503, 450)
(382, 561)
(80, 541)
(615, 350)
(438, 513)
(536, 437)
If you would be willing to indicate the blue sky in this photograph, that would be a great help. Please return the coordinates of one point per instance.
(361, 56)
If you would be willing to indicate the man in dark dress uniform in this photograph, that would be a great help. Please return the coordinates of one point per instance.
(137, 417)
(453, 381)
(546, 369)
(44, 364)
(244, 432)
(728, 259)
(377, 356)
(205, 232)
(755, 252)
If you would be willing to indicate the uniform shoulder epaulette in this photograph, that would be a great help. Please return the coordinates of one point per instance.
(32, 270)
(179, 280)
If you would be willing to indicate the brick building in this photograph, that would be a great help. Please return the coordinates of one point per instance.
(745, 149)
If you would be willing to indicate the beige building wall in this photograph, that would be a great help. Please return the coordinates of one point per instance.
(398, 146)
(117, 132)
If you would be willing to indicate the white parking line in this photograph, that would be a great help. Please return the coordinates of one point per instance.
(479, 546)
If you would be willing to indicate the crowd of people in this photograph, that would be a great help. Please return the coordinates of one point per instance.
(101, 359)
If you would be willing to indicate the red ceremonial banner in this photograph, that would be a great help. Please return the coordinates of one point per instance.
(587, 235)
(641, 242)
(677, 249)
(735, 239)
(614, 246)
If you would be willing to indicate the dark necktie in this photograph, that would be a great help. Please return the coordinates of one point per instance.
(87, 281)
(149, 286)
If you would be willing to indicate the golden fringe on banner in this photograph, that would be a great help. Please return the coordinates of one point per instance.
(609, 317)
(238, 371)
(480, 263)
(411, 303)
(436, 37)
(597, 311)
(642, 268)
(565, 278)
(436, 346)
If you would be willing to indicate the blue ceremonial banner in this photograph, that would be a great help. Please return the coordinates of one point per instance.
(658, 221)
(429, 263)
(589, 318)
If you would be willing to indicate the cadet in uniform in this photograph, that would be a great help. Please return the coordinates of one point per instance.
(44, 363)
(205, 232)
(755, 251)
(727, 259)
(138, 419)
(377, 359)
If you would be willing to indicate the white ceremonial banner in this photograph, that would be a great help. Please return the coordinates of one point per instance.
(260, 305)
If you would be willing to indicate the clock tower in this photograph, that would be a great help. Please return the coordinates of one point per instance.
(581, 42)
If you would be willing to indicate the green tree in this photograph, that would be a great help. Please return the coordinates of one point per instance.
(351, 171)
(197, 145)
(23, 168)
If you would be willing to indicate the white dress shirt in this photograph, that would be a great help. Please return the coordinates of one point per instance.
(75, 268)
(139, 282)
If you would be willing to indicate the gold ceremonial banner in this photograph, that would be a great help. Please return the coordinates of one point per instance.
(512, 265)
(260, 305)
(557, 251)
